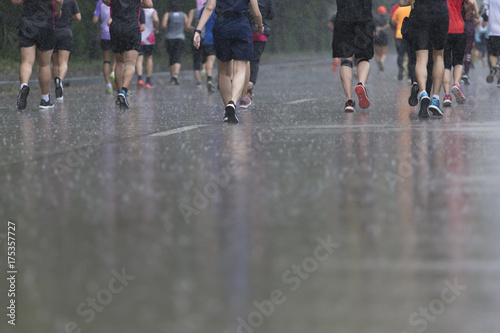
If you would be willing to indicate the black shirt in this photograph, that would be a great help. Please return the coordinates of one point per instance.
(354, 10)
(69, 8)
(127, 11)
(39, 12)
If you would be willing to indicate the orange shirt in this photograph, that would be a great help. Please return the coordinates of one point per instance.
(399, 15)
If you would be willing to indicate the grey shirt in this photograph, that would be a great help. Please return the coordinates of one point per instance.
(175, 25)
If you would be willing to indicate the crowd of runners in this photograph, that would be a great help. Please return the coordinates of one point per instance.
(434, 40)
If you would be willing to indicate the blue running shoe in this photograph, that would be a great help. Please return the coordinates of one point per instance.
(435, 108)
(424, 101)
(122, 96)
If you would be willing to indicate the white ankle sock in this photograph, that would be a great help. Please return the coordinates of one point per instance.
(45, 97)
(436, 97)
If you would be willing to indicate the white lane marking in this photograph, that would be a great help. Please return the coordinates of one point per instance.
(178, 130)
(300, 101)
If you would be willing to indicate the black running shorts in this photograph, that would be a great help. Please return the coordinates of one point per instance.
(430, 25)
(175, 49)
(353, 39)
(124, 37)
(35, 33)
(62, 41)
(494, 46)
(454, 50)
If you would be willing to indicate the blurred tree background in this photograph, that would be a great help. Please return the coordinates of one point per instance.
(299, 26)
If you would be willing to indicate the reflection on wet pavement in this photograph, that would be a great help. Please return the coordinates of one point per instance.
(302, 218)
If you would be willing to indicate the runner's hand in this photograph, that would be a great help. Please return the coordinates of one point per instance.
(196, 40)
(59, 14)
(260, 30)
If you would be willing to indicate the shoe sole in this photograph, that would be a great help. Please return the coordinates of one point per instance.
(123, 101)
(245, 106)
(210, 87)
(447, 103)
(413, 99)
(46, 106)
(364, 102)
(435, 111)
(490, 77)
(424, 106)
(22, 101)
(458, 95)
(231, 118)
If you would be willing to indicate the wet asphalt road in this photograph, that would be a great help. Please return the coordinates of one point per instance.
(161, 218)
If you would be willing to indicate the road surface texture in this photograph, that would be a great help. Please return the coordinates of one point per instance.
(301, 218)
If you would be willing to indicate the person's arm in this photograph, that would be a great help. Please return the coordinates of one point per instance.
(329, 25)
(147, 4)
(77, 16)
(187, 26)
(97, 13)
(58, 7)
(156, 22)
(164, 22)
(475, 8)
(18, 2)
(207, 12)
(257, 16)
(190, 17)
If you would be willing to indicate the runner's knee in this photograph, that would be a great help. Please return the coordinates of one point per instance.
(130, 64)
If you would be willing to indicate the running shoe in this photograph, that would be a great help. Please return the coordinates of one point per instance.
(413, 99)
(46, 104)
(174, 80)
(59, 88)
(457, 92)
(498, 82)
(435, 108)
(360, 90)
(424, 101)
(465, 78)
(140, 83)
(447, 100)
(400, 74)
(22, 98)
(123, 98)
(149, 85)
(230, 115)
(245, 102)
(335, 65)
(210, 86)
(199, 83)
(493, 72)
(109, 90)
(380, 66)
(113, 81)
(349, 106)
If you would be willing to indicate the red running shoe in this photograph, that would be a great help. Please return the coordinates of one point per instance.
(360, 90)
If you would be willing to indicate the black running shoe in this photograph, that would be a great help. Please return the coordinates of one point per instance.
(210, 86)
(59, 88)
(22, 98)
(230, 115)
(498, 82)
(466, 80)
(349, 106)
(400, 74)
(413, 99)
(491, 76)
(46, 105)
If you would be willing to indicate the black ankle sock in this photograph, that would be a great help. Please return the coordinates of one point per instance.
(148, 79)
(124, 89)
(139, 77)
(209, 78)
